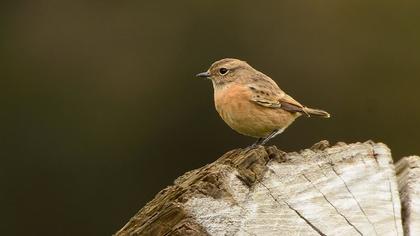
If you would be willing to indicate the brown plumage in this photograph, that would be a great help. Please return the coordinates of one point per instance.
(251, 103)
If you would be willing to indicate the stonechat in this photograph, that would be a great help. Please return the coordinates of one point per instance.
(251, 103)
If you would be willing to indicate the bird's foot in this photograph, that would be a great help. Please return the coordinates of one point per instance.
(256, 144)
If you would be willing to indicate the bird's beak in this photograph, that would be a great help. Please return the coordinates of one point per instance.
(203, 74)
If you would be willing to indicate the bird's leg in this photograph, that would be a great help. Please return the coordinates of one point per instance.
(263, 141)
(258, 142)
(271, 135)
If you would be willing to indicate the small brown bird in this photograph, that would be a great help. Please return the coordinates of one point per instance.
(251, 103)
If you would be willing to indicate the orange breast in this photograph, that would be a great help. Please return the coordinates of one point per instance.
(234, 105)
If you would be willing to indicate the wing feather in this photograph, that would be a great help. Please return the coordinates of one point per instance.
(265, 92)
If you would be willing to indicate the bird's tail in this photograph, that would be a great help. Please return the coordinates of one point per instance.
(316, 112)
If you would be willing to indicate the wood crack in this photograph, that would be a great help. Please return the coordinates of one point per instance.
(393, 206)
(306, 220)
(354, 198)
(326, 199)
(316, 229)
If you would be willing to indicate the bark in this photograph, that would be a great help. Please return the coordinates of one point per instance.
(346, 189)
(408, 172)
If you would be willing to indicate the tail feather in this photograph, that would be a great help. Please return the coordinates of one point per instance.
(316, 112)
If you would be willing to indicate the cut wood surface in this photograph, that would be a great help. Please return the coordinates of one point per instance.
(346, 189)
(408, 172)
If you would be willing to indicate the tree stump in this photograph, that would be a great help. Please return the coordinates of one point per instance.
(408, 172)
(346, 189)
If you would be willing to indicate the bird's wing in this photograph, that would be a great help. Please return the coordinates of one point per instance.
(265, 92)
(264, 98)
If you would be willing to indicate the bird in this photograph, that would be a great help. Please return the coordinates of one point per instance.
(251, 103)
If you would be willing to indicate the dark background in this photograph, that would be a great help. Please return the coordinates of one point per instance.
(100, 108)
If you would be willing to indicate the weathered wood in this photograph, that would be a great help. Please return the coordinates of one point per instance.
(408, 173)
(340, 190)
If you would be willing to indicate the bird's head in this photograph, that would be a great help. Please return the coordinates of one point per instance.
(226, 71)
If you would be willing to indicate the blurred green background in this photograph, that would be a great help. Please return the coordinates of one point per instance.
(101, 109)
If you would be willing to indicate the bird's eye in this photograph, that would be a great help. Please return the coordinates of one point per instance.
(223, 71)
